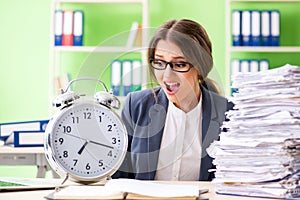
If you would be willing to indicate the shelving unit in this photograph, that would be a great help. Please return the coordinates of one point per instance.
(56, 51)
(231, 51)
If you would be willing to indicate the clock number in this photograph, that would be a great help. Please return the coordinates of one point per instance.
(75, 161)
(110, 153)
(61, 140)
(75, 120)
(67, 129)
(100, 163)
(109, 127)
(88, 167)
(100, 119)
(87, 115)
(65, 154)
(114, 140)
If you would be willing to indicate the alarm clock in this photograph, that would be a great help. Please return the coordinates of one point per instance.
(85, 139)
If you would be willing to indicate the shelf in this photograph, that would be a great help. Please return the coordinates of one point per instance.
(111, 49)
(281, 49)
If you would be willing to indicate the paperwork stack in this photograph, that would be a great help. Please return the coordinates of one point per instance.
(258, 153)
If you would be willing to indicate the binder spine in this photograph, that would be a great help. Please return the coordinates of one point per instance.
(116, 77)
(236, 28)
(235, 68)
(275, 27)
(126, 76)
(78, 28)
(136, 75)
(246, 27)
(255, 28)
(67, 37)
(58, 27)
(266, 28)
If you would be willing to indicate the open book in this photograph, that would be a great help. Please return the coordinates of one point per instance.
(129, 189)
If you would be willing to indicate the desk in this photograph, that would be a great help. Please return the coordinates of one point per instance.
(39, 194)
(25, 156)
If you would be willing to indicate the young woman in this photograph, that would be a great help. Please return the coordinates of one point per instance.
(170, 126)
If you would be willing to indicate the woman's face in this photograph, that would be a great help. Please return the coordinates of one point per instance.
(182, 88)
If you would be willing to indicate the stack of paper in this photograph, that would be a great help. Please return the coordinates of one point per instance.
(258, 153)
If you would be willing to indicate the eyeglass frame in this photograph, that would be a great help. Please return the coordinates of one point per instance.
(171, 64)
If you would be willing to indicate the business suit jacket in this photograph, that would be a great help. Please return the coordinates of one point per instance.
(144, 117)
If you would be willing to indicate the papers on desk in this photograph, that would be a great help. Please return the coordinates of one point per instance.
(128, 189)
(259, 154)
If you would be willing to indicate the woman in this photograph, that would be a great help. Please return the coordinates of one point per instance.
(170, 126)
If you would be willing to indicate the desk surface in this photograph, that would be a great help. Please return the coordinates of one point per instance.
(40, 194)
(21, 150)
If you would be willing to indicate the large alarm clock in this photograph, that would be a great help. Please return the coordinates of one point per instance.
(85, 140)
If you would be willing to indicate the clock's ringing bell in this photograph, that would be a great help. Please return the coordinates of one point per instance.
(65, 98)
(107, 99)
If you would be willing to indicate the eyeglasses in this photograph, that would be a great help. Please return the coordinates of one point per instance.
(175, 66)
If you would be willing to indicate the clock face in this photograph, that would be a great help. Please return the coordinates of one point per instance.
(88, 141)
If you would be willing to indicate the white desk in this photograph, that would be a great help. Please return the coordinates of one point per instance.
(25, 156)
(40, 194)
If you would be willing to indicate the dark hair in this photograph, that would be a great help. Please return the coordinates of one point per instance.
(194, 43)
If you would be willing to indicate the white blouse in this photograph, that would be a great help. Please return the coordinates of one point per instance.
(180, 150)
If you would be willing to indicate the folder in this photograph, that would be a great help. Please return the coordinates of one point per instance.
(245, 66)
(116, 77)
(8, 128)
(67, 37)
(246, 27)
(254, 66)
(136, 75)
(265, 28)
(78, 28)
(236, 28)
(235, 68)
(132, 34)
(255, 28)
(263, 65)
(275, 27)
(26, 139)
(58, 27)
(126, 76)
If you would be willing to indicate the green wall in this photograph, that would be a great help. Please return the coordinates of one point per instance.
(25, 42)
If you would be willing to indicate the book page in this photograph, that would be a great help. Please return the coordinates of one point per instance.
(135, 189)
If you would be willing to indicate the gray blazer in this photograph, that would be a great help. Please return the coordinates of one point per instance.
(144, 118)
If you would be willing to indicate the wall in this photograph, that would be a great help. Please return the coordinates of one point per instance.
(24, 40)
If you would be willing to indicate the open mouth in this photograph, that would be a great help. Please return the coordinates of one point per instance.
(172, 87)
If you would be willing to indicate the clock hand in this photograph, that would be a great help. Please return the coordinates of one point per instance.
(91, 141)
(82, 148)
(98, 143)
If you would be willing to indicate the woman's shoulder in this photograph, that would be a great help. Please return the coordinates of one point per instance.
(145, 96)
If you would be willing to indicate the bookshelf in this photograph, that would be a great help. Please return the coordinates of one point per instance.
(289, 47)
(87, 50)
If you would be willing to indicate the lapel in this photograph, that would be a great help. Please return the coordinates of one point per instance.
(210, 130)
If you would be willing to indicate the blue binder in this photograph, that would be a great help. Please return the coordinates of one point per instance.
(235, 68)
(266, 28)
(255, 36)
(28, 139)
(116, 77)
(58, 27)
(236, 28)
(78, 28)
(126, 76)
(246, 27)
(6, 129)
(275, 27)
(136, 75)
